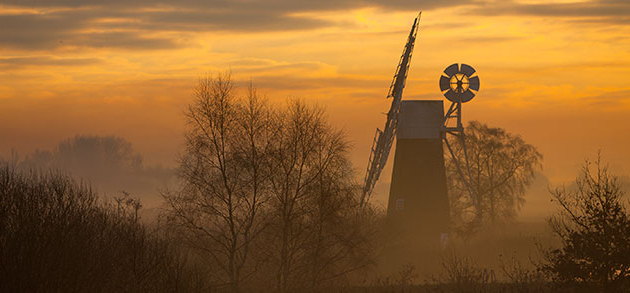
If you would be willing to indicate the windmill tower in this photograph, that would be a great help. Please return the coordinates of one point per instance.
(418, 200)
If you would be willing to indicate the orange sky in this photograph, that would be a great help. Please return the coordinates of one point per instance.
(554, 72)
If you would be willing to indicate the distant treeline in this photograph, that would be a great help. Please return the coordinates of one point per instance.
(109, 163)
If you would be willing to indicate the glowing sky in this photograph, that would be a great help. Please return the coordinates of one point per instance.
(555, 72)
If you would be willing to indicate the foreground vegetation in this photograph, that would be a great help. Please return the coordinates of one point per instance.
(56, 235)
(266, 201)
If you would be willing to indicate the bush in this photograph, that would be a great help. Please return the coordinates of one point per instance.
(594, 228)
(55, 235)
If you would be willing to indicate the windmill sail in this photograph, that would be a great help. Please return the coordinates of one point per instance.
(384, 138)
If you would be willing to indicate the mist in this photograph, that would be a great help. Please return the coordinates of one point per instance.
(502, 252)
(269, 146)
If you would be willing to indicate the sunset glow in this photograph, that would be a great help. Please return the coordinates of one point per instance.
(554, 72)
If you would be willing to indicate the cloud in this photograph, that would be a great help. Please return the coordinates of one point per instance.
(327, 84)
(10, 62)
(157, 24)
(36, 30)
(126, 40)
(488, 39)
(55, 29)
(46, 25)
(597, 11)
(264, 6)
(217, 20)
(609, 100)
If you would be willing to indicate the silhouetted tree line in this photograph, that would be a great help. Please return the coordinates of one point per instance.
(109, 163)
(56, 235)
(81, 153)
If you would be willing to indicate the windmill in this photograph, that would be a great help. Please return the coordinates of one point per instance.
(383, 139)
(418, 189)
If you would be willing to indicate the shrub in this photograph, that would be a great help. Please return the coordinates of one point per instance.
(56, 235)
(594, 229)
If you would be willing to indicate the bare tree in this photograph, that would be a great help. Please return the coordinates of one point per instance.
(296, 158)
(338, 234)
(593, 225)
(502, 166)
(268, 193)
(223, 173)
(316, 213)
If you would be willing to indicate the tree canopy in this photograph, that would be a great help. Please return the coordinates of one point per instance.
(502, 166)
(267, 193)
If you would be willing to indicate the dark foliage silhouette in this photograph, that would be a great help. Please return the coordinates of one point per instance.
(56, 235)
(594, 228)
(502, 166)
